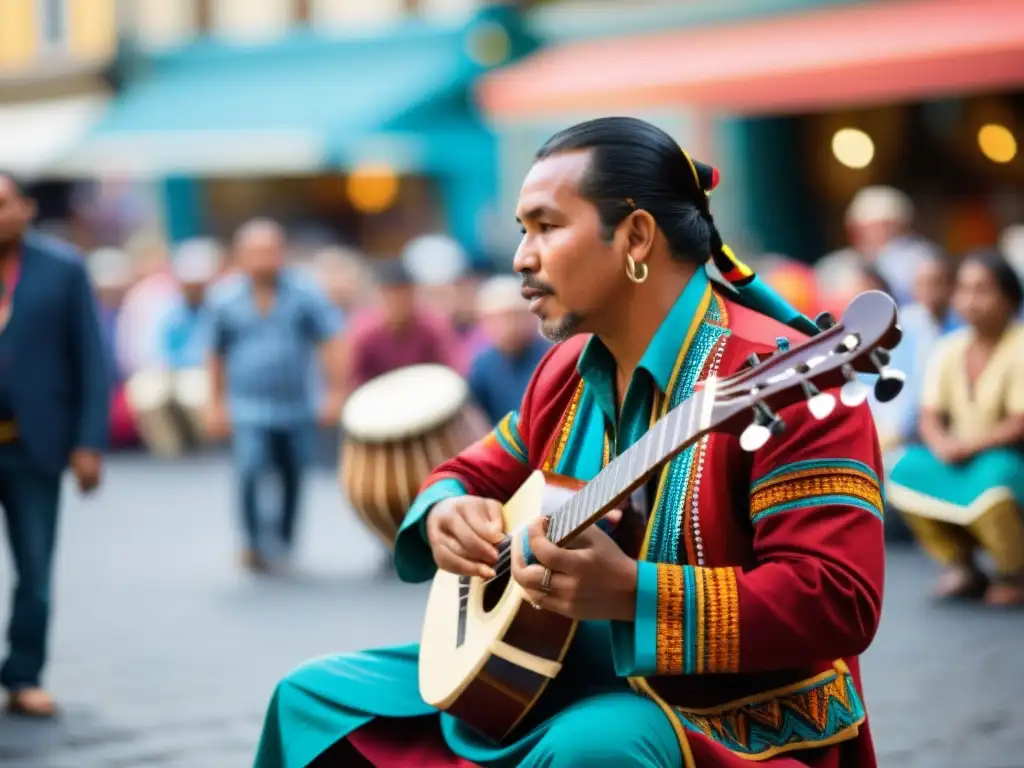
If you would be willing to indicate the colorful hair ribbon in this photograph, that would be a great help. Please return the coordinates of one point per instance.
(751, 291)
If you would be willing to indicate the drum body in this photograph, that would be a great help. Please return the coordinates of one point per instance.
(167, 408)
(396, 429)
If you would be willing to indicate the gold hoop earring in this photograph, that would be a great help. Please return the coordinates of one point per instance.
(635, 272)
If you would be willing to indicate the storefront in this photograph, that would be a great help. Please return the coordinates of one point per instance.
(351, 133)
(785, 104)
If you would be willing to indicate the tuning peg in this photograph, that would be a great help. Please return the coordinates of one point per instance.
(765, 425)
(890, 380)
(753, 360)
(825, 320)
(889, 385)
(819, 403)
(854, 391)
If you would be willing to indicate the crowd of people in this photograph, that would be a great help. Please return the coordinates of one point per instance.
(280, 343)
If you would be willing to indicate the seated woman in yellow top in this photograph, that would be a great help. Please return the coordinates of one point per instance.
(964, 487)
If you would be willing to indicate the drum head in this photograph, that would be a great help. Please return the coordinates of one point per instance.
(404, 403)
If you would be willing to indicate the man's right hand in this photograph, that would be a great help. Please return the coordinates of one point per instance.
(462, 532)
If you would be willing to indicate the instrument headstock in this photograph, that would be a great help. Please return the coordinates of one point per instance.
(859, 342)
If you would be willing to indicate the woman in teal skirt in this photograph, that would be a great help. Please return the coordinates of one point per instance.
(963, 488)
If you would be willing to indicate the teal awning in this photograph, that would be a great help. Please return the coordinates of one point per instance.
(297, 106)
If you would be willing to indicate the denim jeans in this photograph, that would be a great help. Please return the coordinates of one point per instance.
(262, 453)
(30, 500)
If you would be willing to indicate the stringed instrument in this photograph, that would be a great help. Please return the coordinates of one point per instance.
(486, 655)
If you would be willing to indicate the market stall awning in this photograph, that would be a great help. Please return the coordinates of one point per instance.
(294, 107)
(35, 134)
(873, 52)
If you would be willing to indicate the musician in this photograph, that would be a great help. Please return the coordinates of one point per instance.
(54, 410)
(267, 326)
(733, 631)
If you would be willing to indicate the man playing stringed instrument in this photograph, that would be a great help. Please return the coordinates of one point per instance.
(722, 617)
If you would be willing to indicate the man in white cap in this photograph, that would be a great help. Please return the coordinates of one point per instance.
(197, 263)
(879, 225)
(499, 374)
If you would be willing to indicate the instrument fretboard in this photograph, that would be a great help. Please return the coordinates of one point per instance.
(627, 471)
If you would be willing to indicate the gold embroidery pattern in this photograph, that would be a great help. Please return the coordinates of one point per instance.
(669, 655)
(555, 454)
(816, 485)
(718, 621)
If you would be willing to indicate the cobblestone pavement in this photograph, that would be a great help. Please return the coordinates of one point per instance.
(164, 654)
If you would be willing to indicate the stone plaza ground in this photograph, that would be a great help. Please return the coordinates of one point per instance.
(164, 653)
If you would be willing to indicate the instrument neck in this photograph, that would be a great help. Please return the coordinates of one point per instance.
(682, 426)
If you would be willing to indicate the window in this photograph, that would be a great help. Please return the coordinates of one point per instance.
(53, 22)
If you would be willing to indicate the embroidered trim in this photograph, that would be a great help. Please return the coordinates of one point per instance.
(508, 437)
(810, 464)
(555, 454)
(824, 710)
(698, 620)
(669, 651)
(817, 483)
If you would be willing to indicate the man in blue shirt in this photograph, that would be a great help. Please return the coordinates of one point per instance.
(267, 325)
(499, 374)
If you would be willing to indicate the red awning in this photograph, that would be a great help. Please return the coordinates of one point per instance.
(883, 51)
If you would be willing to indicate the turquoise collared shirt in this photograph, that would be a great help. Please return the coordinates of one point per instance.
(599, 430)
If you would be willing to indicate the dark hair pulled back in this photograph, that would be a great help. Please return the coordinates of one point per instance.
(636, 165)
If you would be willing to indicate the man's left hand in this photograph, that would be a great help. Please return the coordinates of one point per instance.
(88, 467)
(591, 579)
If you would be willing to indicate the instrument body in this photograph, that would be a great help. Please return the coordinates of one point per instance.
(167, 407)
(396, 429)
(485, 655)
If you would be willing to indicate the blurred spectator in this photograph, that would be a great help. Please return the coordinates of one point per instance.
(878, 222)
(54, 400)
(499, 374)
(266, 326)
(342, 273)
(463, 314)
(923, 323)
(398, 333)
(197, 264)
(112, 274)
(964, 486)
(139, 334)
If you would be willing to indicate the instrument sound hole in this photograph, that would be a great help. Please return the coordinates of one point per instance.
(495, 589)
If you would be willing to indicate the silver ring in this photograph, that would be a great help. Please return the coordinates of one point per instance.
(545, 583)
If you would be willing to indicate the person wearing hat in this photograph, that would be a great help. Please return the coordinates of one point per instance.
(197, 264)
(397, 332)
(498, 375)
(879, 224)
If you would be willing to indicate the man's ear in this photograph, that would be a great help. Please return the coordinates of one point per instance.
(641, 232)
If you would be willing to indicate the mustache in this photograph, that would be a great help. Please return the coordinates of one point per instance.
(533, 284)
